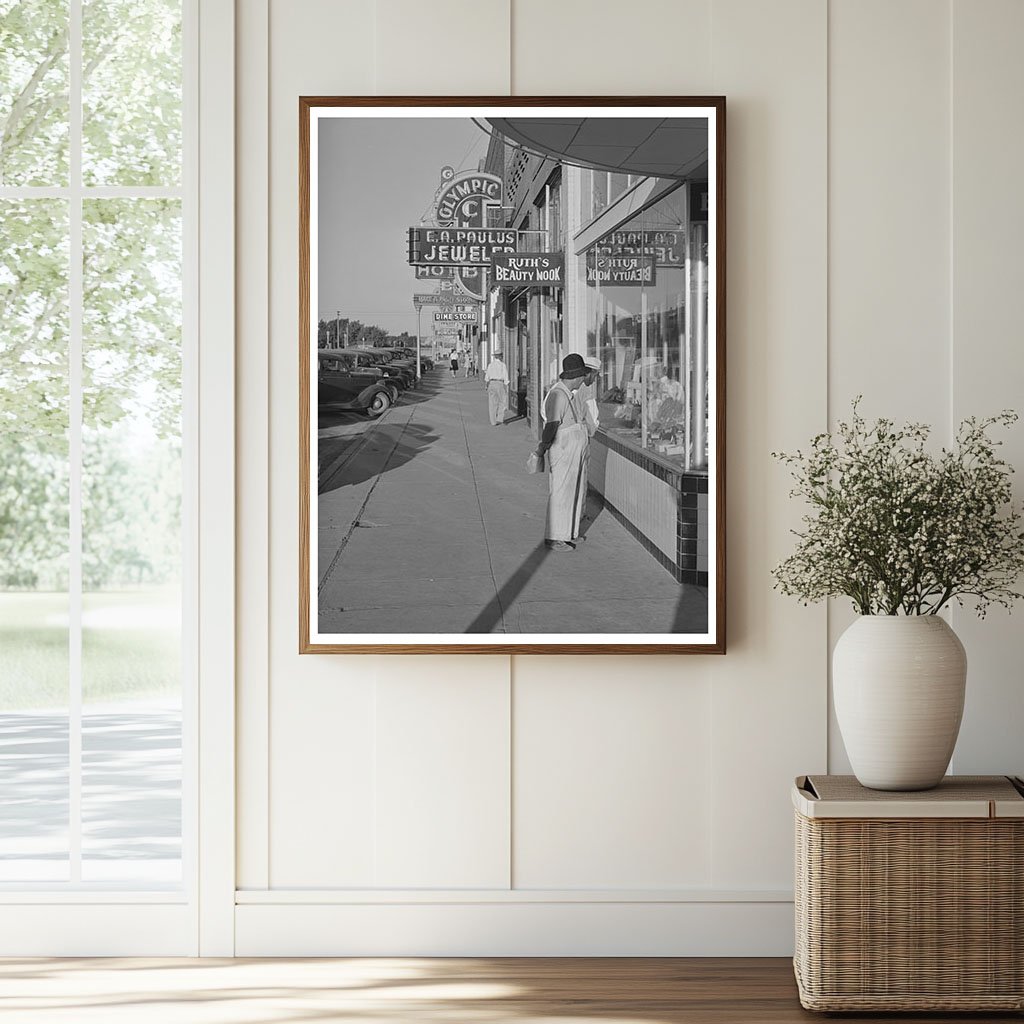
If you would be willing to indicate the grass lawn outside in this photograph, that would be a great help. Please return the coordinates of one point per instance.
(131, 647)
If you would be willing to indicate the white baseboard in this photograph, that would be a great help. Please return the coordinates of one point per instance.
(97, 929)
(520, 928)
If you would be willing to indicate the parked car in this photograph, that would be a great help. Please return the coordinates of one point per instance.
(403, 369)
(398, 356)
(358, 364)
(426, 363)
(365, 360)
(339, 389)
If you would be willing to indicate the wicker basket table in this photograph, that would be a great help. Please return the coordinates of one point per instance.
(910, 901)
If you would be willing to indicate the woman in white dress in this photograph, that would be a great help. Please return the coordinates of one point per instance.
(564, 443)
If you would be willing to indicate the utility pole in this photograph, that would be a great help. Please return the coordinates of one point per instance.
(419, 309)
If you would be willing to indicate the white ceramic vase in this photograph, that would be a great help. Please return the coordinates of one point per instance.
(898, 685)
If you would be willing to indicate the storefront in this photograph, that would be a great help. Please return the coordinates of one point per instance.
(642, 287)
(527, 319)
(635, 299)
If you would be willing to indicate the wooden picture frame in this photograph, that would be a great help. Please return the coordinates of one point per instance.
(605, 232)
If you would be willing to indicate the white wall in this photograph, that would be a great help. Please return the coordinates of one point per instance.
(544, 805)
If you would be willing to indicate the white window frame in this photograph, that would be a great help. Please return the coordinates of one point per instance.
(197, 918)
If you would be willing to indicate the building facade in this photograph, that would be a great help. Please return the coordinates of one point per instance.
(634, 301)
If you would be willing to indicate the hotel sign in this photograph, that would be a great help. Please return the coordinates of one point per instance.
(458, 247)
(619, 271)
(528, 268)
(433, 273)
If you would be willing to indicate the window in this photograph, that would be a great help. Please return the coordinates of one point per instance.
(646, 295)
(600, 189)
(94, 466)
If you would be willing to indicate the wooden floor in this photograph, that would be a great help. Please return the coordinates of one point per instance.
(382, 991)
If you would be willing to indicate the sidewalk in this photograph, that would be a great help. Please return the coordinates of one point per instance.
(432, 525)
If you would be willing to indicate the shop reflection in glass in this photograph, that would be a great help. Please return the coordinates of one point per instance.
(650, 334)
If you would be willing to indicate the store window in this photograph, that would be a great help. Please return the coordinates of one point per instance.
(645, 288)
(553, 219)
(93, 482)
(600, 189)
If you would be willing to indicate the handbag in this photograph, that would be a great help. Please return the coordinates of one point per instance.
(535, 463)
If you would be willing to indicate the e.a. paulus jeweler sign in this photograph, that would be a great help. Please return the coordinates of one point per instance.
(458, 247)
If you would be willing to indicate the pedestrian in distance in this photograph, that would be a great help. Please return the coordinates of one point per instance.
(455, 364)
(496, 381)
(564, 443)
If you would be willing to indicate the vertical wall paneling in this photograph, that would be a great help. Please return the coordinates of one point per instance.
(216, 299)
(443, 48)
(888, 335)
(323, 758)
(769, 692)
(608, 48)
(613, 805)
(321, 708)
(987, 368)
(442, 774)
(252, 590)
(442, 768)
(610, 764)
(889, 182)
(612, 775)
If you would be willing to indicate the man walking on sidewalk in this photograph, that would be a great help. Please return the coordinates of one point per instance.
(496, 378)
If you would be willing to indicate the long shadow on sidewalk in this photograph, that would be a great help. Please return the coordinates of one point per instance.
(493, 613)
(354, 462)
(355, 458)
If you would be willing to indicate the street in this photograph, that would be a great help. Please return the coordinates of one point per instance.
(429, 523)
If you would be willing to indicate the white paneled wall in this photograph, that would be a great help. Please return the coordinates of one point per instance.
(442, 769)
(625, 805)
(889, 202)
(612, 775)
(987, 364)
(768, 693)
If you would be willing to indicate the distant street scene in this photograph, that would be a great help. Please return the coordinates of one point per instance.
(512, 390)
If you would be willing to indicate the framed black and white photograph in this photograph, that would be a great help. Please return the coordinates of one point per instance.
(512, 401)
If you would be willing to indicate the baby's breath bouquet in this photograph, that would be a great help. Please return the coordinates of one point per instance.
(900, 530)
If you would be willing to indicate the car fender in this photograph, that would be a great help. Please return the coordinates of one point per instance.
(366, 395)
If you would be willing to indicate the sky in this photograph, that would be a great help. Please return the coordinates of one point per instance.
(377, 178)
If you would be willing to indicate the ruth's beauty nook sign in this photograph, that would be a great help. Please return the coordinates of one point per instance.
(528, 268)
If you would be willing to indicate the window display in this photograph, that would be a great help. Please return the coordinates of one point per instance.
(646, 324)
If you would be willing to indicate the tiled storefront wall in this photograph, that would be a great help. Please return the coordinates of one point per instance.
(665, 509)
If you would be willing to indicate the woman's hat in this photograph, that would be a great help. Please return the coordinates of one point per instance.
(573, 367)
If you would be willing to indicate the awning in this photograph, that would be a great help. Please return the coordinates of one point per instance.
(672, 147)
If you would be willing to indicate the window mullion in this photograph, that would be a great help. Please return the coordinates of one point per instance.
(75, 303)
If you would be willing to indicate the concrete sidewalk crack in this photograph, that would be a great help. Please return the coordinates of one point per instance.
(480, 506)
(362, 507)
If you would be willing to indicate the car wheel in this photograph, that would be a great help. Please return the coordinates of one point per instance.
(379, 404)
